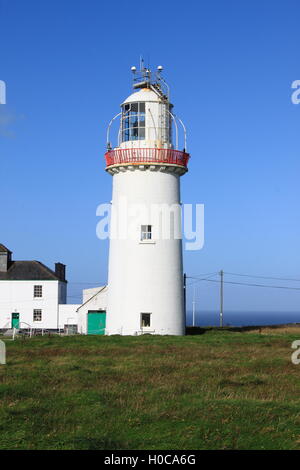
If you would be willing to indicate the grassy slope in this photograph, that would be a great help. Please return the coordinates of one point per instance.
(219, 390)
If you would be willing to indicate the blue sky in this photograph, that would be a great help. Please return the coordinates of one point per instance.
(230, 66)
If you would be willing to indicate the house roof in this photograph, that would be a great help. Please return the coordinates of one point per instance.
(3, 249)
(28, 271)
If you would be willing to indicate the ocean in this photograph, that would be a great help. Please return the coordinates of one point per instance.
(243, 318)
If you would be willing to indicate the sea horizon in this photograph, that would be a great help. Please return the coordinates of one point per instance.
(242, 318)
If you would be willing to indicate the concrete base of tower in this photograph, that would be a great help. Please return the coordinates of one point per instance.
(151, 311)
(147, 314)
(145, 331)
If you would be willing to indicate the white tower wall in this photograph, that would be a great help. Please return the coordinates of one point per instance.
(145, 276)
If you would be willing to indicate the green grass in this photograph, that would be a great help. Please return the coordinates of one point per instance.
(218, 390)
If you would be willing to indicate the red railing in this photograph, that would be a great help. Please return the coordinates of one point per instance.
(136, 156)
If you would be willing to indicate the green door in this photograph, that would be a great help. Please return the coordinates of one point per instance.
(96, 323)
(15, 320)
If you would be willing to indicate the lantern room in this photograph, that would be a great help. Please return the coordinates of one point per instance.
(146, 118)
(149, 131)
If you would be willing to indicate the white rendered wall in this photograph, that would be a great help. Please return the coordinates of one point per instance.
(88, 293)
(68, 315)
(145, 277)
(17, 296)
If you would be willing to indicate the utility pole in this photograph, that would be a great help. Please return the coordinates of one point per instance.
(184, 294)
(221, 297)
(194, 302)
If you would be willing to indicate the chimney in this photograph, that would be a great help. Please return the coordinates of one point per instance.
(60, 271)
(5, 259)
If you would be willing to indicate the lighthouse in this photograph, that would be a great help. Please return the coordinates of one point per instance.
(145, 272)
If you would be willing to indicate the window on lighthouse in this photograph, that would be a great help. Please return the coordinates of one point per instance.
(146, 232)
(145, 320)
(133, 121)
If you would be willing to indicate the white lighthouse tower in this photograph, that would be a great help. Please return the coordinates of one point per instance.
(145, 279)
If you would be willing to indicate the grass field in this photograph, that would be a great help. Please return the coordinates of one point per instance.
(217, 390)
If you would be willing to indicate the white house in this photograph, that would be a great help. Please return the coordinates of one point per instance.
(32, 295)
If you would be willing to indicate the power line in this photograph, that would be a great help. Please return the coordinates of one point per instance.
(86, 283)
(263, 277)
(254, 285)
(199, 276)
(221, 282)
(244, 283)
(200, 279)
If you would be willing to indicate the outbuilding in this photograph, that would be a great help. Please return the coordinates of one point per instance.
(92, 312)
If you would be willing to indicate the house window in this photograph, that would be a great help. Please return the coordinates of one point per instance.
(145, 320)
(37, 315)
(38, 291)
(146, 232)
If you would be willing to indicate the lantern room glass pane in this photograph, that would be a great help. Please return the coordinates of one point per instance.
(134, 133)
(142, 120)
(134, 120)
(134, 108)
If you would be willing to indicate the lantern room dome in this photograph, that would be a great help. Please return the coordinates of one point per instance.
(145, 94)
